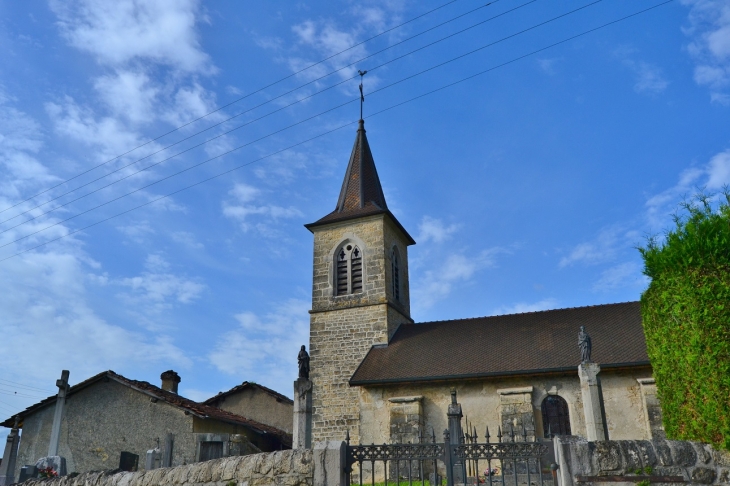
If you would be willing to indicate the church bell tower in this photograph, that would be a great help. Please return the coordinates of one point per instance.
(360, 291)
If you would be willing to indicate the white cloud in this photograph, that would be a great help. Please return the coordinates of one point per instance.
(431, 229)
(709, 31)
(649, 78)
(187, 239)
(522, 307)
(157, 288)
(128, 93)
(621, 276)
(242, 208)
(458, 268)
(121, 32)
(44, 298)
(21, 139)
(712, 176)
(603, 248)
(264, 347)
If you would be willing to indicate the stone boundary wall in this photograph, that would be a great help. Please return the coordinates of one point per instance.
(697, 463)
(282, 468)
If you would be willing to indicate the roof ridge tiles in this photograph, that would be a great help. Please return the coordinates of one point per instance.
(527, 312)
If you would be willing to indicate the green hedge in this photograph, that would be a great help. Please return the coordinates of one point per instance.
(686, 318)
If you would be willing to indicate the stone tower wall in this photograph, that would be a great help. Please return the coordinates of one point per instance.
(344, 328)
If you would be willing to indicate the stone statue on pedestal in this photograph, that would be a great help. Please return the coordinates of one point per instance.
(303, 360)
(584, 343)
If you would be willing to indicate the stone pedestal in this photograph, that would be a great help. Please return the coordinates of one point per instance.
(57, 463)
(7, 468)
(455, 436)
(590, 387)
(302, 414)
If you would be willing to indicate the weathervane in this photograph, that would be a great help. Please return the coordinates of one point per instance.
(362, 96)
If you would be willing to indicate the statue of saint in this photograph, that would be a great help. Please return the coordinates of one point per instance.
(303, 359)
(584, 343)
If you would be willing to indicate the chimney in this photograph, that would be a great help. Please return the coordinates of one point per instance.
(170, 379)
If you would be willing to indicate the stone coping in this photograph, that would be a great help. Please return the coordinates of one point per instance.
(416, 398)
(515, 391)
(630, 479)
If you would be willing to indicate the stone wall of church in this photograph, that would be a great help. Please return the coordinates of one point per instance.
(496, 402)
(344, 328)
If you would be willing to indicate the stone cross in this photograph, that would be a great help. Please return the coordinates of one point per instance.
(62, 385)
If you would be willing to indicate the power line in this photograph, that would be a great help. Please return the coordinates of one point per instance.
(24, 386)
(239, 99)
(345, 125)
(283, 108)
(16, 394)
(255, 107)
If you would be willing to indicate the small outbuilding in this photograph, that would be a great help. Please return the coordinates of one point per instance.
(108, 415)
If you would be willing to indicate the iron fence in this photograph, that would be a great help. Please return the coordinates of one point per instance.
(518, 460)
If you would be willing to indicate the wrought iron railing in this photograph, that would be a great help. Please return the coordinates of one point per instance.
(409, 462)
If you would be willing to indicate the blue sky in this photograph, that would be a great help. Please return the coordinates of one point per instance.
(526, 188)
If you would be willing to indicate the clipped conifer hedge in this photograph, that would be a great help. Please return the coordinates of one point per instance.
(686, 318)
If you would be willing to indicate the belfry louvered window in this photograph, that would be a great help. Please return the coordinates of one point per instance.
(349, 270)
(396, 274)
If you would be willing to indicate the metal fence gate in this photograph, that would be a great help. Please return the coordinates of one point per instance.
(514, 461)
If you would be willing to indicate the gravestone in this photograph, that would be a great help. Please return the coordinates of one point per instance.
(152, 459)
(57, 463)
(27, 472)
(167, 451)
(128, 461)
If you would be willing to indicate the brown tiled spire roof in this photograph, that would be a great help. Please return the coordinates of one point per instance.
(361, 193)
(361, 186)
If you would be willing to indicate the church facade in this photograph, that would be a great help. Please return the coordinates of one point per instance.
(380, 377)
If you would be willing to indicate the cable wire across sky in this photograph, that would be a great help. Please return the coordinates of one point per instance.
(259, 90)
(428, 93)
(271, 100)
(453, 59)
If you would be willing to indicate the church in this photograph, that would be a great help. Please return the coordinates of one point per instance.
(379, 377)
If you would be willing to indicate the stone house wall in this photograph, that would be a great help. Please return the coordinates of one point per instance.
(491, 403)
(102, 420)
(343, 328)
(258, 405)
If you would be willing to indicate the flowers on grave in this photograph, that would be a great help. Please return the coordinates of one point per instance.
(47, 472)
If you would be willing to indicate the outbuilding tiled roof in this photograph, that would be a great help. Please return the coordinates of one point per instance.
(245, 385)
(200, 410)
(529, 343)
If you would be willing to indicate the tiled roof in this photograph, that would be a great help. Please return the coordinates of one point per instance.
(245, 385)
(198, 409)
(529, 343)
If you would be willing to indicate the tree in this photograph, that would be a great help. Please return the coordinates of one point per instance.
(686, 317)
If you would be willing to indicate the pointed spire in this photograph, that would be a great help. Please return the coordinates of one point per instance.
(361, 186)
(361, 194)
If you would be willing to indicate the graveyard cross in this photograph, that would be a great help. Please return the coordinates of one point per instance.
(62, 385)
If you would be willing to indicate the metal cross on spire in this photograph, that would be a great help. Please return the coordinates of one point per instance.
(362, 96)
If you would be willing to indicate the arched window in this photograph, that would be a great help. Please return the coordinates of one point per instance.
(555, 419)
(349, 270)
(396, 274)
